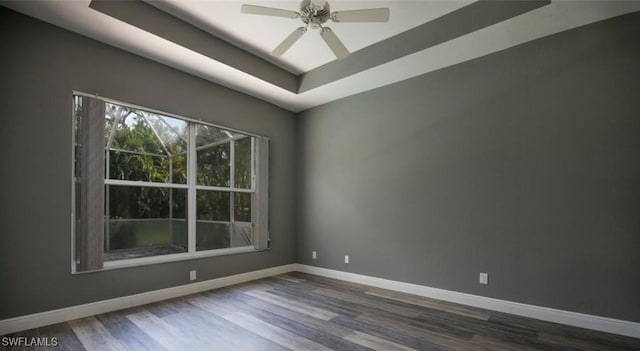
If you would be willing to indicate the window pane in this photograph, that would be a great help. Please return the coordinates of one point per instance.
(207, 135)
(178, 166)
(242, 207)
(144, 221)
(143, 146)
(214, 165)
(124, 165)
(210, 236)
(131, 132)
(241, 234)
(172, 132)
(146, 202)
(243, 163)
(213, 205)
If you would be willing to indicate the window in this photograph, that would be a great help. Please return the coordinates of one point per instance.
(151, 187)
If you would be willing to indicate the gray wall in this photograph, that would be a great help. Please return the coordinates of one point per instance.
(41, 65)
(524, 164)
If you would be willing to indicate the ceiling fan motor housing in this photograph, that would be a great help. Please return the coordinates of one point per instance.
(314, 13)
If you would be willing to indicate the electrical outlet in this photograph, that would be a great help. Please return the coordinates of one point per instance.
(346, 259)
(314, 255)
(192, 275)
(484, 278)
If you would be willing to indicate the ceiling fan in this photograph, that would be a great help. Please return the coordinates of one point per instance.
(314, 13)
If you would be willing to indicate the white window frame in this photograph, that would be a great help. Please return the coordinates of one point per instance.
(259, 189)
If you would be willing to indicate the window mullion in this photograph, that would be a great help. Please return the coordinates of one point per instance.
(107, 215)
(171, 236)
(253, 164)
(191, 192)
(138, 183)
(232, 180)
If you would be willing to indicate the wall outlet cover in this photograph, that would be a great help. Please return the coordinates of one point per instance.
(484, 278)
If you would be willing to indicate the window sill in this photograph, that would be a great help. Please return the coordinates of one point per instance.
(143, 261)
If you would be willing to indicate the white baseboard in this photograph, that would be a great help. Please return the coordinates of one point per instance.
(581, 320)
(36, 320)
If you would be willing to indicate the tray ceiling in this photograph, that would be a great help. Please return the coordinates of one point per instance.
(214, 41)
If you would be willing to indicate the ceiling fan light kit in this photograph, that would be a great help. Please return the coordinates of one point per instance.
(314, 14)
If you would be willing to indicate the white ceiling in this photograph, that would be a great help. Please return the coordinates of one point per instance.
(223, 19)
(261, 34)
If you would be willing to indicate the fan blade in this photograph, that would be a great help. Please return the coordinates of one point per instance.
(366, 15)
(334, 43)
(287, 42)
(268, 11)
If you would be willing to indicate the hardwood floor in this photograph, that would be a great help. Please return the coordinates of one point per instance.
(299, 311)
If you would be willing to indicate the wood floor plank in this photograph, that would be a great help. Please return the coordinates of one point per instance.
(201, 333)
(570, 333)
(417, 339)
(579, 344)
(66, 338)
(376, 343)
(293, 305)
(298, 288)
(491, 344)
(439, 333)
(160, 309)
(337, 306)
(209, 304)
(401, 323)
(276, 334)
(317, 330)
(94, 336)
(365, 300)
(314, 329)
(276, 283)
(289, 278)
(534, 324)
(260, 285)
(319, 324)
(165, 334)
(323, 282)
(218, 333)
(128, 333)
(424, 302)
(469, 325)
